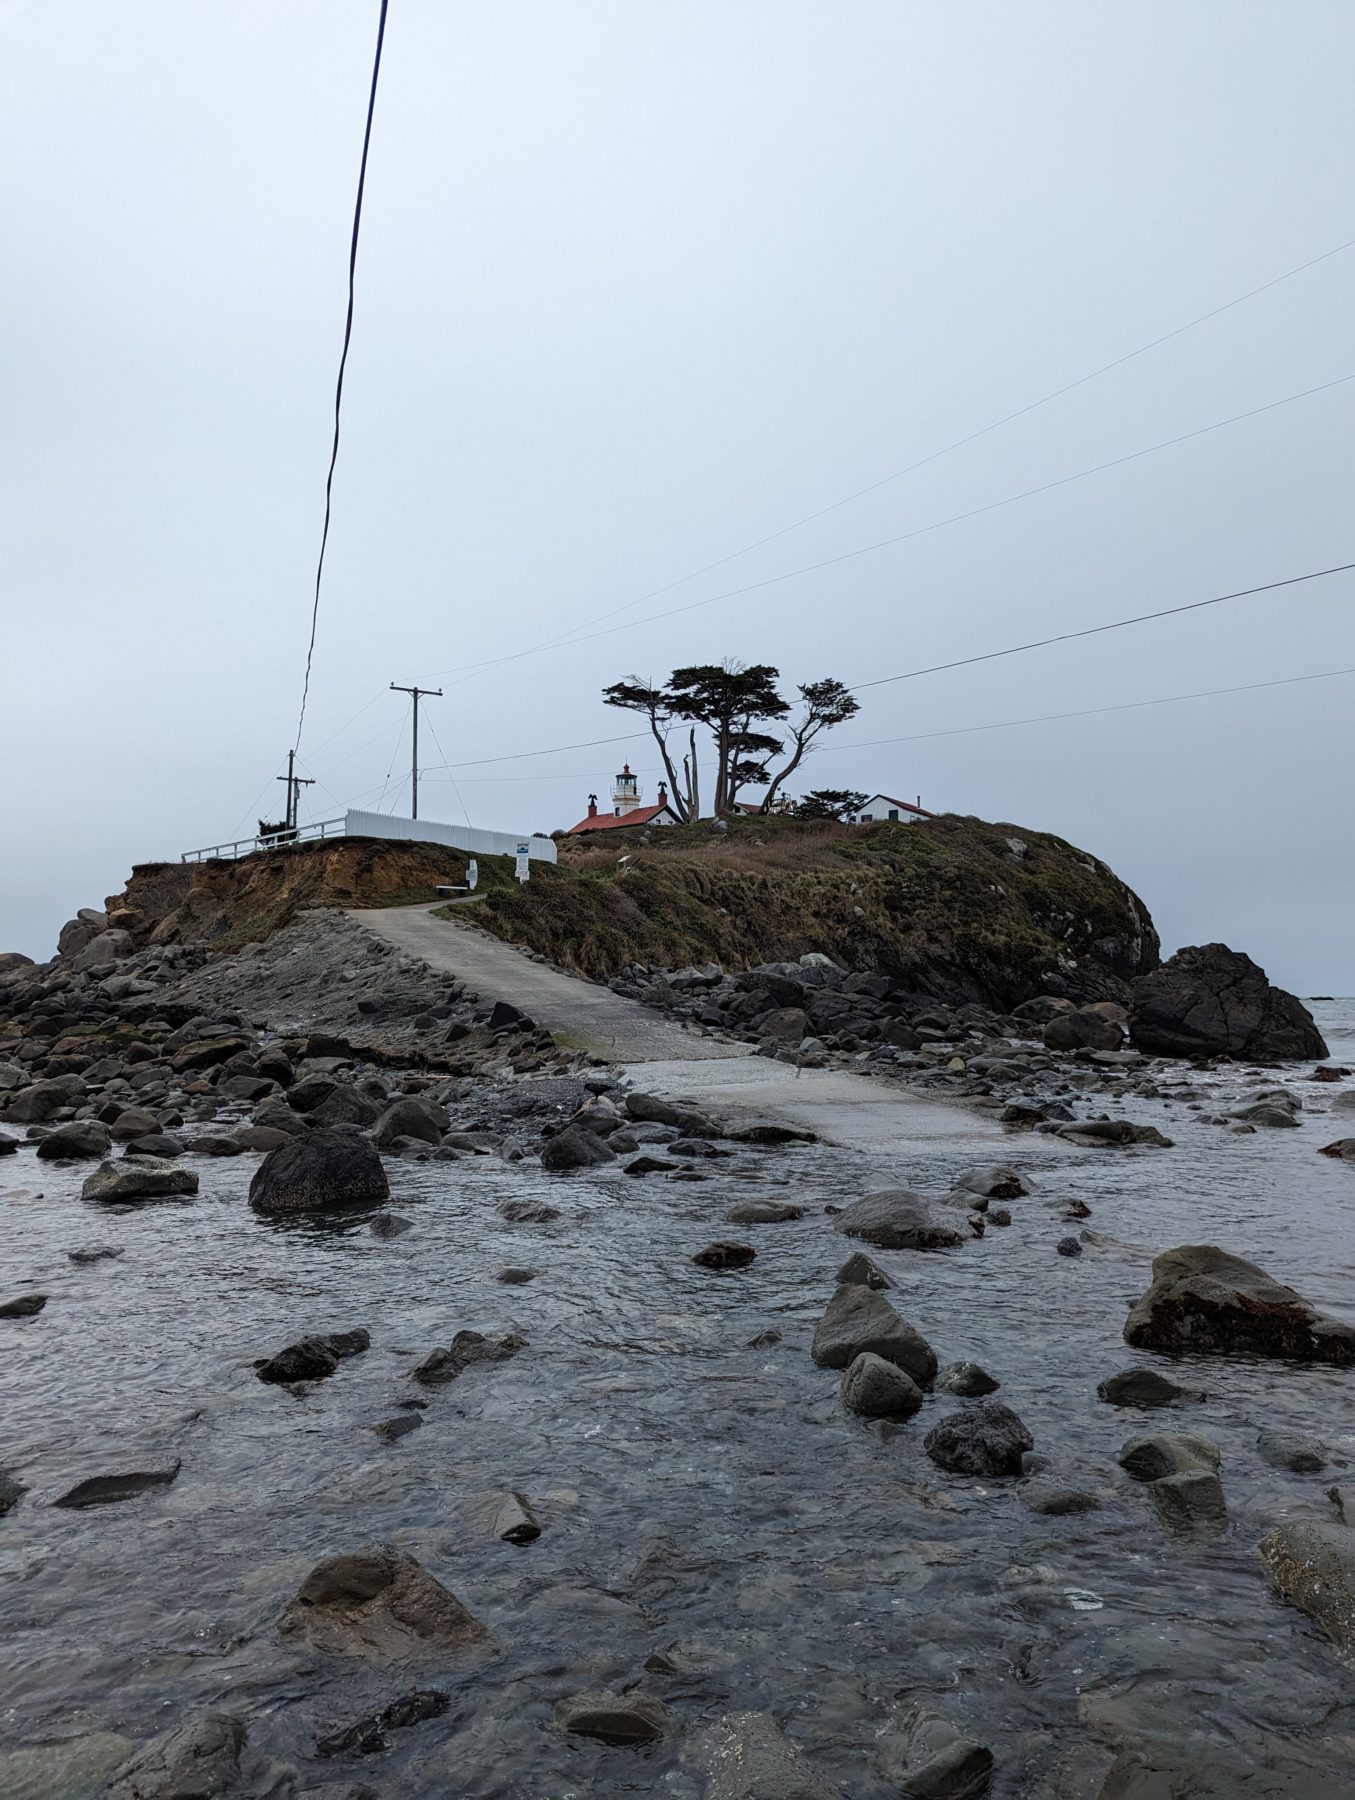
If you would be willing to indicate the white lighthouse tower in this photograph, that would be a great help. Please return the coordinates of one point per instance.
(625, 793)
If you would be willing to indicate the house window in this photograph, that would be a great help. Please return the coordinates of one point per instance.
(893, 812)
(866, 818)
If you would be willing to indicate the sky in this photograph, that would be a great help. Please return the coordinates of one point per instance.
(640, 286)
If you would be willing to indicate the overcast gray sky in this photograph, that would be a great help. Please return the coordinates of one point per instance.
(641, 283)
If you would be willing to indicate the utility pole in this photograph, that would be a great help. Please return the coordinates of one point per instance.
(295, 783)
(417, 692)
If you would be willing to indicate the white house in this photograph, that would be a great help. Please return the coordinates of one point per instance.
(885, 806)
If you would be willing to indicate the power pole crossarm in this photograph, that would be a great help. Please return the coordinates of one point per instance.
(416, 693)
(295, 783)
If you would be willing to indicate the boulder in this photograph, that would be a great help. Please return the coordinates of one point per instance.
(27, 1306)
(328, 1169)
(346, 1105)
(763, 1212)
(967, 1380)
(1082, 1030)
(898, 1220)
(407, 1118)
(575, 1148)
(878, 1389)
(38, 1102)
(133, 1122)
(621, 1719)
(1287, 1450)
(1191, 1501)
(1202, 1301)
(367, 1736)
(1099, 1133)
(389, 1225)
(1343, 1149)
(12, 961)
(749, 1757)
(379, 1604)
(450, 1360)
(1150, 1457)
(195, 1761)
(1312, 1565)
(313, 1358)
(1057, 1502)
(79, 1138)
(722, 1256)
(1145, 1388)
(858, 1319)
(991, 1182)
(109, 1490)
(860, 1271)
(684, 1119)
(1208, 1000)
(987, 1439)
(139, 1178)
(506, 1516)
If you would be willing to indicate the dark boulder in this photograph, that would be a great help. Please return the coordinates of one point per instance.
(108, 1490)
(368, 1736)
(466, 1348)
(859, 1319)
(139, 1178)
(313, 1358)
(408, 1118)
(1145, 1388)
(877, 1389)
(327, 1169)
(379, 1603)
(194, 1761)
(987, 1439)
(575, 1148)
(1208, 1000)
(27, 1306)
(898, 1221)
(1082, 1030)
(725, 1256)
(1203, 1301)
(1312, 1565)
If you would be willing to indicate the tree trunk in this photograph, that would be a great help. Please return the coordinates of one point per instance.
(787, 772)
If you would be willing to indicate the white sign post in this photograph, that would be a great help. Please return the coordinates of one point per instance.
(472, 874)
(523, 870)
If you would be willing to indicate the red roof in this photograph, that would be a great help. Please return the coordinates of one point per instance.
(638, 815)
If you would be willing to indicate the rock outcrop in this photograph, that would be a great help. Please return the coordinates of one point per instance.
(1208, 1000)
(379, 1603)
(1312, 1564)
(326, 1170)
(1203, 1301)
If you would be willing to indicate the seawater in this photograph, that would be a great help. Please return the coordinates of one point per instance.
(701, 1499)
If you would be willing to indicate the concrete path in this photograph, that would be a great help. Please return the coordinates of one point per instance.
(580, 1013)
(659, 1054)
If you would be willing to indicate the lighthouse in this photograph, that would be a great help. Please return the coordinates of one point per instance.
(625, 793)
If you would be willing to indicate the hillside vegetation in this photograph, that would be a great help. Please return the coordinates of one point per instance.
(957, 908)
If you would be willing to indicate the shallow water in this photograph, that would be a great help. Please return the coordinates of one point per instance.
(698, 1497)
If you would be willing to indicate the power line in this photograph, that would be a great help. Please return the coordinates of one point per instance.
(956, 444)
(446, 765)
(343, 363)
(830, 562)
(1063, 637)
(1088, 712)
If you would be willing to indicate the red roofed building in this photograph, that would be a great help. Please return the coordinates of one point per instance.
(626, 808)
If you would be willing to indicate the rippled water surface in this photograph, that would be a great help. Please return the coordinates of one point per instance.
(699, 1497)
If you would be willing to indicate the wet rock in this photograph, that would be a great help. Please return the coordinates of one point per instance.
(1208, 1000)
(11, 1492)
(389, 1225)
(763, 1212)
(1204, 1301)
(575, 1148)
(1099, 1133)
(275, 1115)
(898, 1221)
(214, 1144)
(528, 1212)
(725, 1256)
(992, 1182)
(967, 1380)
(1343, 1149)
(108, 1490)
(1048, 1501)
(9, 1146)
(1191, 1501)
(1082, 1030)
(195, 1761)
(1068, 1246)
(313, 1358)
(27, 1306)
(466, 1348)
(747, 1756)
(860, 1271)
(92, 1253)
(369, 1736)
(424, 1120)
(599, 1114)
(38, 1102)
(622, 1719)
(1145, 1388)
(159, 1144)
(987, 1439)
(347, 1105)
(507, 1516)
(684, 1119)
(877, 1389)
(1287, 1450)
(943, 1764)
(81, 1137)
(651, 1165)
(139, 1178)
(1152, 1456)
(859, 1319)
(515, 1277)
(1312, 1565)
(768, 1132)
(326, 1170)
(379, 1603)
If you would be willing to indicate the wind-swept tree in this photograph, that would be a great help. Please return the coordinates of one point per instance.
(830, 803)
(658, 707)
(823, 704)
(730, 699)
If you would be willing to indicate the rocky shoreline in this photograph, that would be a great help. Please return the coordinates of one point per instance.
(356, 1095)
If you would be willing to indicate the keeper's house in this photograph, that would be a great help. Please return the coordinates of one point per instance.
(885, 806)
